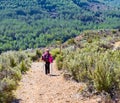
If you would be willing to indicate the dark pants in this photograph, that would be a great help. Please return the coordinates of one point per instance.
(47, 67)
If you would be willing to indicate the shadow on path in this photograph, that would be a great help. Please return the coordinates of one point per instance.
(54, 75)
(16, 101)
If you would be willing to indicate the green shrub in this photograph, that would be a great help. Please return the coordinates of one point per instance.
(71, 41)
(6, 97)
(38, 53)
(16, 73)
(78, 66)
(23, 67)
(114, 31)
(6, 87)
(35, 56)
(59, 61)
(12, 62)
(12, 65)
(103, 76)
(8, 84)
(94, 64)
(55, 52)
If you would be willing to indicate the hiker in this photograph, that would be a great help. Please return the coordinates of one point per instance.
(48, 59)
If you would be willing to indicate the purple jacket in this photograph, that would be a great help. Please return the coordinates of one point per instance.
(49, 57)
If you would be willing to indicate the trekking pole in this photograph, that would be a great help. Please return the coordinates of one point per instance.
(43, 67)
(51, 68)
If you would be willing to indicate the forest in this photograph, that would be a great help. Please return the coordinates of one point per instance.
(38, 23)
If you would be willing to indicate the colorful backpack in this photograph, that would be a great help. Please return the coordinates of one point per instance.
(47, 57)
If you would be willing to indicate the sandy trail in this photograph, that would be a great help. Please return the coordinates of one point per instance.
(36, 87)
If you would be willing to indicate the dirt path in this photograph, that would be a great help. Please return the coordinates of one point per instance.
(36, 87)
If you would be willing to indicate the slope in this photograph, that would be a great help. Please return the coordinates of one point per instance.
(37, 23)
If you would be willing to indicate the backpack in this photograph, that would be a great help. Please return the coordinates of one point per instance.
(46, 57)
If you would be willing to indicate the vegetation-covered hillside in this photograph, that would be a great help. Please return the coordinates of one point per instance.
(35, 23)
(113, 3)
(94, 58)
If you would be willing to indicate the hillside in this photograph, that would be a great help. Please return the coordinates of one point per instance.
(113, 3)
(94, 58)
(37, 23)
(89, 67)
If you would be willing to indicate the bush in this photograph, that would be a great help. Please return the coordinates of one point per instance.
(55, 52)
(59, 61)
(114, 31)
(103, 76)
(23, 67)
(71, 41)
(36, 56)
(12, 65)
(12, 62)
(6, 97)
(38, 53)
(96, 64)
(6, 87)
